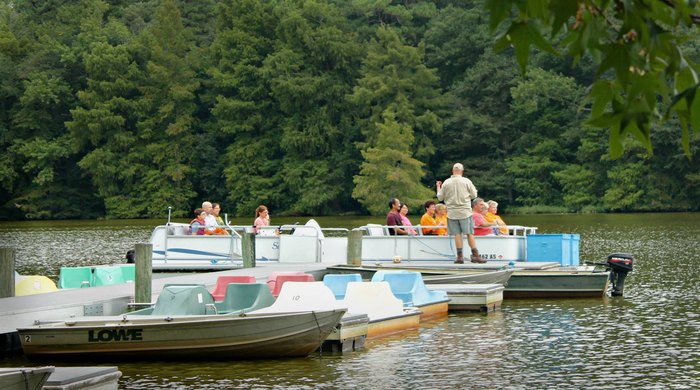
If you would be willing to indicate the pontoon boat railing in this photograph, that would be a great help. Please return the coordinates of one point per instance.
(513, 230)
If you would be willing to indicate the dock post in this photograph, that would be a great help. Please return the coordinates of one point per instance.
(7, 272)
(143, 256)
(354, 256)
(248, 249)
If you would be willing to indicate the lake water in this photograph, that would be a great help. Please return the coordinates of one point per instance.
(650, 338)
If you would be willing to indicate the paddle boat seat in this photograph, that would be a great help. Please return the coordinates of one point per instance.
(409, 287)
(338, 283)
(128, 272)
(105, 276)
(302, 296)
(272, 279)
(374, 299)
(244, 297)
(75, 277)
(223, 281)
(281, 278)
(184, 299)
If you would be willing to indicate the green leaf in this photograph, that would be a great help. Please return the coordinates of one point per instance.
(601, 94)
(521, 35)
(499, 11)
(562, 12)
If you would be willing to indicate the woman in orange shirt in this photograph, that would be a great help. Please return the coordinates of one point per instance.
(428, 219)
(492, 217)
(441, 219)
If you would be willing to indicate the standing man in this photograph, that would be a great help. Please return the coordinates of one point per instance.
(393, 218)
(457, 192)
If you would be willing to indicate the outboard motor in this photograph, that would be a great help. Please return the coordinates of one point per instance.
(619, 264)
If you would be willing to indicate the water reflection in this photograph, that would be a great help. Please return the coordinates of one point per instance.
(648, 339)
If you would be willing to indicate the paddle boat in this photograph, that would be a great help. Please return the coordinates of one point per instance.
(409, 287)
(33, 284)
(385, 312)
(91, 276)
(184, 324)
(349, 334)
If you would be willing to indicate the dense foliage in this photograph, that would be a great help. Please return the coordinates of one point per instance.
(119, 109)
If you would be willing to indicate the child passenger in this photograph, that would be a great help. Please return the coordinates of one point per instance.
(197, 225)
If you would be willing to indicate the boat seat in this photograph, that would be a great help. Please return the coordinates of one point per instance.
(105, 276)
(245, 297)
(376, 230)
(75, 277)
(302, 296)
(128, 272)
(223, 281)
(409, 287)
(282, 279)
(184, 299)
(179, 230)
(272, 279)
(338, 283)
(372, 298)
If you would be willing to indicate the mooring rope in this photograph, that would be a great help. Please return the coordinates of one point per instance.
(433, 251)
(320, 339)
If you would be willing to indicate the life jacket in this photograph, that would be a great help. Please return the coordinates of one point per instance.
(200, 231)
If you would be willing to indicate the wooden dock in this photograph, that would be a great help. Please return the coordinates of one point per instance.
(472, 297)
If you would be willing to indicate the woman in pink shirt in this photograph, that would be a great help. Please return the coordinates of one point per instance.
(403, 211)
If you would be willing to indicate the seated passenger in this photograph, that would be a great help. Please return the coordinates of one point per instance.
(216, 210)
(441, 219)
(197, 224)
(492, 216)
(481, 226)
(209, 220)
(403, 212)
(218, 229)
(428, 219)
(393, 218)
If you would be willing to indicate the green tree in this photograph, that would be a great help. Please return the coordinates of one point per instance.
(245, 120)
(167, 124)
(310, 72)
(478, 129)
(389, 170)
(393, 75)
(105, 124)
(544, 110)
(49, 186)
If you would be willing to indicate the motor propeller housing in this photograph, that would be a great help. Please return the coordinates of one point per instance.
(620, 264)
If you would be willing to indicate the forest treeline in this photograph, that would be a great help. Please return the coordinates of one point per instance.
(122, 108)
